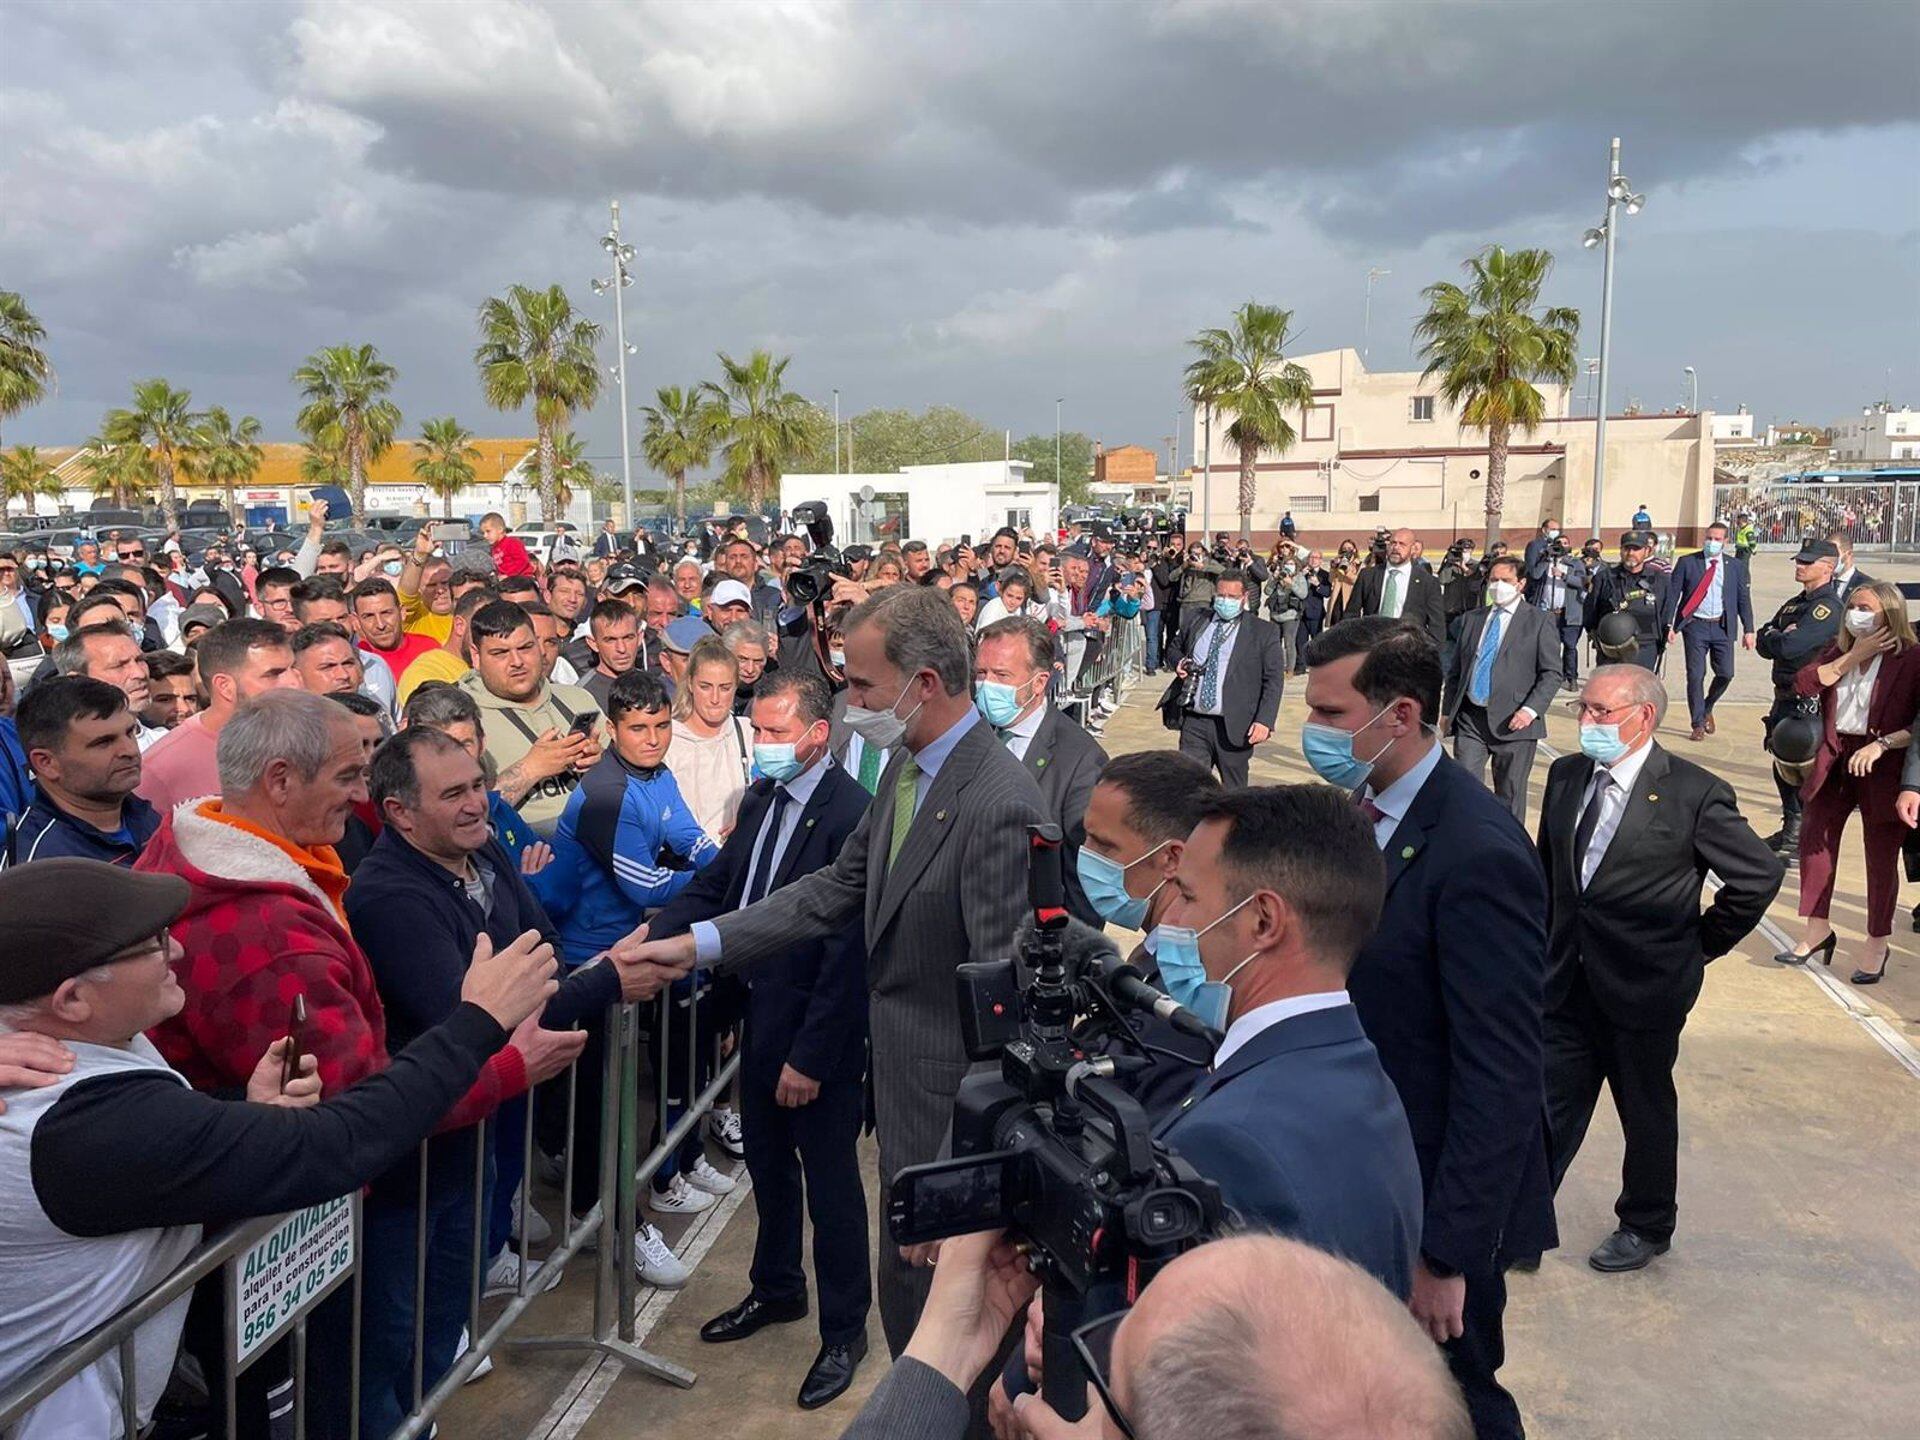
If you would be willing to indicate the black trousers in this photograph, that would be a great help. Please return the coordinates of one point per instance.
(1584, 1049)
(809, 1155)
(1783, 702)
(1475, 741)
(1205, 738)
(1477, 1355)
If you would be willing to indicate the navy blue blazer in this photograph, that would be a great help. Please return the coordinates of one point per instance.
(1736, 592)
(1451, 991)
(1303, 1133)
(806, 1007)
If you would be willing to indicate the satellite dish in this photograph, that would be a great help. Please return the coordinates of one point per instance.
(866, 494)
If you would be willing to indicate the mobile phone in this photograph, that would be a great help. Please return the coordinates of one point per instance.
(955, 1197)
(583, 725)
(296, 1026)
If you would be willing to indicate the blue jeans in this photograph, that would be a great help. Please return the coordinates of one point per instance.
(1150, 620)
(386, 1316)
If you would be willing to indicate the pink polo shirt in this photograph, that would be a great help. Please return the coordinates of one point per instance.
(181, 765)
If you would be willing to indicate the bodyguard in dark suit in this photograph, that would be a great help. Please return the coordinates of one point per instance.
(1234, 666)
(1012, 663)
(1506, 671)
(805, 1048)
(1709, 605)
(1449, 989)
(1296, 1122)
(1847, 577)
(937, 867)
(1402, 589)
(1628, 834)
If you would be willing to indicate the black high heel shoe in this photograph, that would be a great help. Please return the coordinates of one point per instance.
(1873, 977)
(1824, 950)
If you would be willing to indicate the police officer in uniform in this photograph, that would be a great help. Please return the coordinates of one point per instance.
(1804, 626)
(1631, 588)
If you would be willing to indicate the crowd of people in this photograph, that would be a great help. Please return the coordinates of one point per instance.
(461, 806)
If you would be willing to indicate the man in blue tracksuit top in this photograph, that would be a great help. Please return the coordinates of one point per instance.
(626, 844)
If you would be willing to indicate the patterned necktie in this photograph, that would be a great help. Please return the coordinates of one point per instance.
(905, 789)
(1372, 811)
(872, 761)
(1390, 595)
(1482, 685)
(1210, 669)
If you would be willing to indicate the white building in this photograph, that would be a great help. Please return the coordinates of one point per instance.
(935, 503)
(1879, 435)
(1734, 429)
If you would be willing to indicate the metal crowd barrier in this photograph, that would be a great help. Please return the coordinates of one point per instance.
(268, 1304)
(1115, 668)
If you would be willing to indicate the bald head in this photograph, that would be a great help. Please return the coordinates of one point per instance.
(1402, 546)
(1269, 1339)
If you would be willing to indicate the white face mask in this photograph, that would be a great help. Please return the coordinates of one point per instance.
(1863, 622)
(1502, 592)
(882, 729)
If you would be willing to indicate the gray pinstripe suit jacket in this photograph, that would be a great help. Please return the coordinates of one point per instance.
(956, 893)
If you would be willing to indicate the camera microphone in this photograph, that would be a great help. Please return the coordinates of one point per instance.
(1131, 989)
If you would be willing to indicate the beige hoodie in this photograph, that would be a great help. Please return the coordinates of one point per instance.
(510, 730)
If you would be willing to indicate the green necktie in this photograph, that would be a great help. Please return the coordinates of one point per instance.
(904, 789)
(1390, 598)
(872, 759)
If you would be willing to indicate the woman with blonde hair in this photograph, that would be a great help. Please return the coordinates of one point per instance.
(1868, 682)
(712, 751)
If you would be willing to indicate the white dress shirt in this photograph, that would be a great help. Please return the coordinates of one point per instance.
(1397, 798)
(799, 791)
(1019, 735)
(1265, 1017)
(1613, 808)
(1852, 696)
(1209, 634)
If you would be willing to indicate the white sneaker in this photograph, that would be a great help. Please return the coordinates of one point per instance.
(703, 1176)
(503, 1275)
(723, 1126)
(531, 1224)
(485, 1367)
(679, 1198)
(655, 1261)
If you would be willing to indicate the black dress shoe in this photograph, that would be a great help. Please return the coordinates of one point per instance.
(750, 1316)
(1624, 1250)
(831, 1373)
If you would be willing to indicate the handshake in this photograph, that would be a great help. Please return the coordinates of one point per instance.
(648, 966)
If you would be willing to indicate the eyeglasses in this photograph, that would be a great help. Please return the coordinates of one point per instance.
(1585, 710)
(161, 943)
(1093, 1344)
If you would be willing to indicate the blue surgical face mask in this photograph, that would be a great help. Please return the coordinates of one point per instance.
(1105, 881)
(1226, 609)
(1712, 547)
(1329, 750)
(1176, 950)
(999, 703)
(58, 632)
(1602, 743)
(777, 762)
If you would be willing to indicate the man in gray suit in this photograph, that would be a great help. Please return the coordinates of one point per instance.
(1012, 662)
(1505, 673)
(938, 869)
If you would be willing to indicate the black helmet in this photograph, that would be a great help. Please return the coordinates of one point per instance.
(1617, 637)
(1794, 742)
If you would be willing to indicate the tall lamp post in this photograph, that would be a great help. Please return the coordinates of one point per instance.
(1620, 194)
(622, 254)
(1366, 328)
(1059, 485)
(836, 431)
(1693, 390)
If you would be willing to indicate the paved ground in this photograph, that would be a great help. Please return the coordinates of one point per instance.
(1787, 1308)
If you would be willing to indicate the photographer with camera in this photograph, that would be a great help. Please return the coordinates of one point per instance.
(1253, 1335)
(1286, 602)
(1558, 583)
(1230, 681)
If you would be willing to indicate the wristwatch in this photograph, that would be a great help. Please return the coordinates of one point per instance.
(1439, 1269)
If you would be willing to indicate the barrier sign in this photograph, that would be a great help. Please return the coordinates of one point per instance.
(288, 1271)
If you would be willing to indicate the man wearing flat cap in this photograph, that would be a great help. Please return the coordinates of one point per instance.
(1804, 626)
(105, 1180)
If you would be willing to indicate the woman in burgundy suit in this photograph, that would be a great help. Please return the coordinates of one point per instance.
(1868, 682)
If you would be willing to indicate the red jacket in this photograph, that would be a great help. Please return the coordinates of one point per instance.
(510, 557)
(1890, 707)
(258, 931)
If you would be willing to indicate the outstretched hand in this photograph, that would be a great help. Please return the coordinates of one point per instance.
(648, 966)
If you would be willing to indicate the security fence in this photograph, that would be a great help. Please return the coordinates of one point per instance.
(275, 1274)
(1108, 668)
(1883, 516)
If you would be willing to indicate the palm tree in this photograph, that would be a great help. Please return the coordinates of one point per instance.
(323, 458)
(1487, 346)
(25, 372)
(1245, 372)
(346, 386)
(759, 424)
(230, 452)
(124, 473)
(25, 476)
(162, 423)
(572, 471)
(678, 438)
(533, 346)
(445, 460)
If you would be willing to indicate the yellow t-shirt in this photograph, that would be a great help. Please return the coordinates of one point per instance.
(431, 665)
(419, 620)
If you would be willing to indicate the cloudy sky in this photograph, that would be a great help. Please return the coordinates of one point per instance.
(981, 205)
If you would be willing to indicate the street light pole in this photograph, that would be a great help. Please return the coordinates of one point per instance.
(1206, 474)
(1620, 194)
(1366, 329)
(622, 253)
(1693, 386)
(836, 431)
(1057, 479)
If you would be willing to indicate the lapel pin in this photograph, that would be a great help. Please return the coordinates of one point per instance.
(1651, 797)
(939, 814)
(1407, 854)
(809, 824)
(1041, 763)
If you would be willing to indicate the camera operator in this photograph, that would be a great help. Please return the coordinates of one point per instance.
(1286, 602)
(1253, 1335)
(1313, 608)
(1558, 582)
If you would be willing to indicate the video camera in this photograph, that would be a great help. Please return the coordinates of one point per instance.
(811, 581)
(1052, 1147)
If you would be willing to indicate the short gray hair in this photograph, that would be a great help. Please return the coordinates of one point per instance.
(291, 725)
(747, 632)
(921, 631)
(70, 655)
(1643, 686)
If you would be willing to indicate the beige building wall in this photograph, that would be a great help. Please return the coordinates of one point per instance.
(1386, 449)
